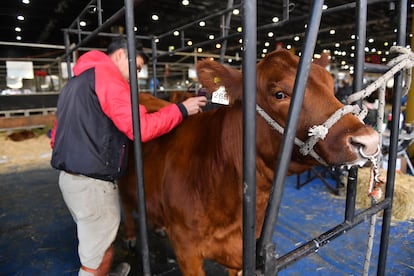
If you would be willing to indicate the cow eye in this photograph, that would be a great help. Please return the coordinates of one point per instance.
(280, 95)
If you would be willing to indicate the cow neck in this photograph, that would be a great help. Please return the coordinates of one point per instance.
(317, 132)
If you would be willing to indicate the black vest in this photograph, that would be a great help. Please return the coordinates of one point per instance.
(86, 140)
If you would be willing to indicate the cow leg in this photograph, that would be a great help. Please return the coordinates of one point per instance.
(128, 204)
(190, 265)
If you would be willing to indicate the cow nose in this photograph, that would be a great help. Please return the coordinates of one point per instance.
(368, 143)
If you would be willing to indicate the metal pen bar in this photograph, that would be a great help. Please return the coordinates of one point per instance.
(361, 15)
(393, 150)
(130, 22)
(285, 151)
(249, 136)
(316, 243)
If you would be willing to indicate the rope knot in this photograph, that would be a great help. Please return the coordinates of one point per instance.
(319, 131)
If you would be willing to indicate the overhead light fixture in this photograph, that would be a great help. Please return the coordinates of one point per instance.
(218, 45)
(239, 29)
(26, 1)
(18, 29)
(371, 40)
(155, 17)
(275, 19)
(211, 37)
(324, 7)
(82, 23)
(332, 32)
(185, 2)
(202, 23)
(296, 38)
(189, 43)
(270, 34)
(267, 44)
(18, 37)
(236, 11)
(199, 50)
(176, 33)
(20, 17)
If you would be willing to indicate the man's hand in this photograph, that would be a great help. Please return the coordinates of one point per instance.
(194, 104)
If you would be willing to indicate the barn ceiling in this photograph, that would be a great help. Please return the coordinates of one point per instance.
(44, 21)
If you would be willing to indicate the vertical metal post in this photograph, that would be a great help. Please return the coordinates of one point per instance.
(225, 30)
(154, 66)
(285, 151)
(396, 112)
(249, 136)
(99, 11)
(361, 16)
(129, 18)
(67, 47)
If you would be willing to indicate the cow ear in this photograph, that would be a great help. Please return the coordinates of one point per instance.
(212, 75)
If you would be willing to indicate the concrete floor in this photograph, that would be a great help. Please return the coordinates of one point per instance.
(37, 234)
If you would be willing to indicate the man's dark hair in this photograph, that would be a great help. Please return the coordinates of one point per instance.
(121, 43)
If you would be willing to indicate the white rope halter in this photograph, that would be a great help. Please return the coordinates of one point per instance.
(315, 133)
(318, 132)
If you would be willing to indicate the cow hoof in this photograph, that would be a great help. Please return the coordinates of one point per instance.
(130, 244)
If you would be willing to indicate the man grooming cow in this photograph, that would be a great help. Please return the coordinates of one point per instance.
(89, 141)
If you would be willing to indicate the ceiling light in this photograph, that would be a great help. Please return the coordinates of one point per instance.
(18, 37)
(384, 59)
(176, 33)
(296, 38)
(371, 40)
(337, 45)
(324, 7)
(218, 45)
(20, 17)
(353, 47)
(353, 36)
(267, 44)
(264, 51)
(26, 1)
(386, 43)
(373, 50)
(135, 29)
(239, 29)
(189, 43)
(270, 34)
(236, 11)
(275, 19)
(366, 49)
(202, 23)
(230, 60)
(332, 32)
(199, 50)
(82, 23)
(18, 29)
(263, 55)
(211, 37)
(288, 46)
(155, 17)
(185, 2)
(241, 40)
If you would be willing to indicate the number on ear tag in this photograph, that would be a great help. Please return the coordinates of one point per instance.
(220, 96)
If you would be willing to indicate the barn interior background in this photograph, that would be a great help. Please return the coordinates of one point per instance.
(33, 69)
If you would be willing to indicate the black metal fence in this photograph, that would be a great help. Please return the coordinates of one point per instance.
(260, 258)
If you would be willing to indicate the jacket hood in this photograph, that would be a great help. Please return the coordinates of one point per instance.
(91, 59)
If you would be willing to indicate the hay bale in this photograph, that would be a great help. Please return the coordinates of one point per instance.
(403, 204)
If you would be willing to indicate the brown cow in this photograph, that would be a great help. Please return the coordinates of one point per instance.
(193, 175)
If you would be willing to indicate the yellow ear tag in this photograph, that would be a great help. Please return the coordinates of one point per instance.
(216, 80)
(220, 96)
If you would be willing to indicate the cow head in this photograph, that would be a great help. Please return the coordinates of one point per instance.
(275, 81)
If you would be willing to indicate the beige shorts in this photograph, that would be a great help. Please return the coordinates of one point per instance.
(94, 205)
